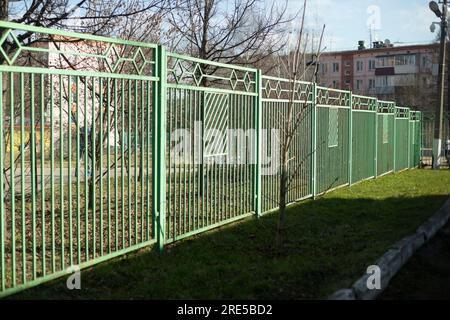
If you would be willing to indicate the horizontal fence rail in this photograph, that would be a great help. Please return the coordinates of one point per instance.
(109, 146)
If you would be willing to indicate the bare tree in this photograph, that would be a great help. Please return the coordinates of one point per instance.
(297, 67)
(238, 32)
(99, 17)
(130, 20)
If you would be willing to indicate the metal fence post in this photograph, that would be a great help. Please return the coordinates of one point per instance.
(409, 139)
(160, 147)
(314, 140)
(395, 139)
(350, 139)
(421, 144)
(376, 142)
(258, 142)
(2, 210)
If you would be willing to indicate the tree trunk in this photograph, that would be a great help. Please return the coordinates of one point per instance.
(282, 200)
(91, 193)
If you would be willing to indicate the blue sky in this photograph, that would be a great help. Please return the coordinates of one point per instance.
(402, 21)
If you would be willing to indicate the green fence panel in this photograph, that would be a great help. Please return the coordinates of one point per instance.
(276, 102)
(332, 144)
(209, 183)
(386, 137)
(364, 137)
(76, 190)
(418, 141)
(402, 150)
(415, 139)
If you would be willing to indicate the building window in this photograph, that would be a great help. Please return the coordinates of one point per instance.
(382, 81)
(384, 62)
(372, 64)
(359, 84)
(359, 65)
(335, 67)
(333, 128)
(347, 73)
(371, 83)
(335, 84)
(385, 129)
(323, 68)
(405, 60)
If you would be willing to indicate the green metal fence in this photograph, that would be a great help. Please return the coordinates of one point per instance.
(386, 137)
(427, 137)
(365, 135)
(415, 127)
(109, 146)
(402, 136)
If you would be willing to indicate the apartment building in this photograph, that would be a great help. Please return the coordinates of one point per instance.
(406, 74)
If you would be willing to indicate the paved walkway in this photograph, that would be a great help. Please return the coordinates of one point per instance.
(427, 275)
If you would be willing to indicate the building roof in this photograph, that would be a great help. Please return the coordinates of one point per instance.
(382, 50)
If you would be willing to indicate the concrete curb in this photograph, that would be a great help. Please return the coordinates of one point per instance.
(395, 258)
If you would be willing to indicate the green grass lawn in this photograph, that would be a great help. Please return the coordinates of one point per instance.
(331, 241)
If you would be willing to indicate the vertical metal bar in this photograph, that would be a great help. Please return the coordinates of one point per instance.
(376, 141)
(184, 107)
(148, 153)
(122, 154)
(61, 169)
(314, 141)
(43, 208)
(116, 161)
(154, 133)
(171, 166)
(128, 162)
(69, 171)
(395, 140)
(409, 138)
(77, 127)
(108, 157)
(13, 182)
(2, 195)
(161, 146)
(136, 141)
(100, 169)
(86, 171)
(52, 171)
(33, 175)
(257, 121)
(142, 154)
(22, 176)
(94, 170)
(350, 139)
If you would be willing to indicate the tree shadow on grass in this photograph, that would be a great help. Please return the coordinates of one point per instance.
(330, 243)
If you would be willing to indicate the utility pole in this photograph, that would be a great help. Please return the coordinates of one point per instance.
(439, 119)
